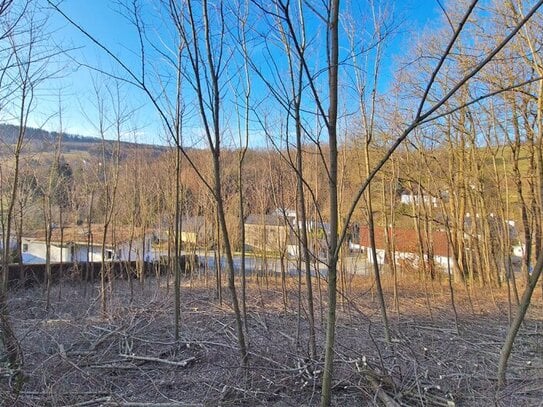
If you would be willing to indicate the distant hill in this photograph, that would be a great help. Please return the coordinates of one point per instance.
(9, 133)
(39, 140)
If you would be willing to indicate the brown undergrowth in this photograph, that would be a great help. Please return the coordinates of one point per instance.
(75, 357)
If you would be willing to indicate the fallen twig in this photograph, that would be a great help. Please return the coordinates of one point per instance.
(138, 404)
(183, 363)
(99, 401)
(381, 394)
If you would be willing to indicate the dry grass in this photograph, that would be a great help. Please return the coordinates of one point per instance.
(75, 357)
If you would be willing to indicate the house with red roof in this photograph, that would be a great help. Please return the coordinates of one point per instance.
(405, 246)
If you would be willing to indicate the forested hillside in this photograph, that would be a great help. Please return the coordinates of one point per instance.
(42, 141)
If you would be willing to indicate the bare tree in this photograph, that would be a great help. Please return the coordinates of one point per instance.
(206, 56)
(368, 105)
(53, 183)
(290, 96)
(22, 70)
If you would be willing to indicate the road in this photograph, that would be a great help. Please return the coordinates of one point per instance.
(354, 264)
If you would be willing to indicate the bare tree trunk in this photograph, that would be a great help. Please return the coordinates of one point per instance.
(110, 182)
(178, 229)
(333, 82)
(48, 231)
(177, 248)
(301, 219)
(210, 116)
(218, 261)
(230, 262)
(23, 62)
(22, 276)
(376, 268)
(450, 278)
(507, 347)
(52, 188)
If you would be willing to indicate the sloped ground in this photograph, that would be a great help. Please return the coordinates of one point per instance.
(74, 357)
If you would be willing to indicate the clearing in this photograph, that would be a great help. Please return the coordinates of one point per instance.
(75, 357)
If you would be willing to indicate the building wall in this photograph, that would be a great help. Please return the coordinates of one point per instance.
(408, 199)
(139, 251)
(94, 254)
(266, 237)
(189, 237)
(77, 252)
(413, 259)
(380, 255)
(130, 252)
(38, 250)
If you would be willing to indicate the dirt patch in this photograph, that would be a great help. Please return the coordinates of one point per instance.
(74, 356)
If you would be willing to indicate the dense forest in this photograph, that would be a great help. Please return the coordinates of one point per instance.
(363, 203)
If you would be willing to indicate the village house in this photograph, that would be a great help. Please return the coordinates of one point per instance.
(405, 246)
(78, 244)
(412, 197)
(267, 233)
(276, 233)
(196, 231)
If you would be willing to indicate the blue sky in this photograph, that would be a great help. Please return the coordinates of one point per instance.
(102, 19)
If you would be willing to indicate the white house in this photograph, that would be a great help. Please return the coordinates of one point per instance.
(34, 252)
(409, 198)
(78, 244)
(406, 246)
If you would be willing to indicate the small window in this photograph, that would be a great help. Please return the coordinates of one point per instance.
(25, 247)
